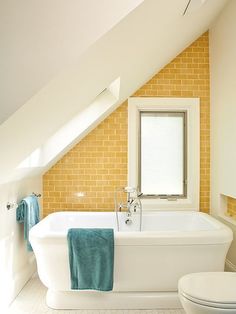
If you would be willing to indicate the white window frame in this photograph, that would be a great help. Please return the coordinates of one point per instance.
(191, 106)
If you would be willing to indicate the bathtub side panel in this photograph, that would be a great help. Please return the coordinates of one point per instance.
(158, 268)
(136, 268)
(53, 263)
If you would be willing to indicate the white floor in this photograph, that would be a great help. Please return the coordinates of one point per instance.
(31, 300)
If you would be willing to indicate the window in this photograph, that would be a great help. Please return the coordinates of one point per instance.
(162, 154)
(163, 151)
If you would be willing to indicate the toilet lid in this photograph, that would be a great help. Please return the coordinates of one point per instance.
(214, 305)
(210, 288)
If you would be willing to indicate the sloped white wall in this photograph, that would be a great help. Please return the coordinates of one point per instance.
(140, 45)
(16, 264)
(40, 38)
(223, 113)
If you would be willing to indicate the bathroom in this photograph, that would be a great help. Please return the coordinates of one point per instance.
(66, 130)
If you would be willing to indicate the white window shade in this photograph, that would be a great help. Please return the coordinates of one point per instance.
(179, 174)
(162, 153)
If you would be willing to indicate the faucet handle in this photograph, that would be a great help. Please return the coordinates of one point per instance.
(129, 189)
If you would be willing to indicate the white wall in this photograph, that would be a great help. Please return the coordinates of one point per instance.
(223, 113)
(16, 264)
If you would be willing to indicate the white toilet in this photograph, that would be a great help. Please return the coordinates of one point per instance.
(208, 293)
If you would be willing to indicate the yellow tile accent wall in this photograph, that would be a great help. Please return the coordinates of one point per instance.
(95, 167)
(231, 206)
(98, 163)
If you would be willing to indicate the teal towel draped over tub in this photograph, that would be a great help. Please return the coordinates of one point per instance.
(91, 258)
(27, 212)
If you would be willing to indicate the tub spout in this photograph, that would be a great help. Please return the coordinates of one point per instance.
(128, 222)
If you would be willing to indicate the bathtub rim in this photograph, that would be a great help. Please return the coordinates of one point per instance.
(222, 234)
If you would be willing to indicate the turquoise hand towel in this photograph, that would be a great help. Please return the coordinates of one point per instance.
(91, 258)
(27, 212)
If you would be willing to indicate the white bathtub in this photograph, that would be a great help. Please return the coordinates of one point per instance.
(147, 264)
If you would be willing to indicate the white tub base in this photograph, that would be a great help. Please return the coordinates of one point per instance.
(84, 300)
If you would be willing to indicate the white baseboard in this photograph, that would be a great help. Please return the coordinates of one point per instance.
(230, 266)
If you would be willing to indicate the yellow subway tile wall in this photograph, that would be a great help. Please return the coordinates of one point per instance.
(87, 176)
(231, 207)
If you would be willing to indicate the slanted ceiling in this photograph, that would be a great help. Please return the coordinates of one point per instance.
(40, 38)
(130, 53)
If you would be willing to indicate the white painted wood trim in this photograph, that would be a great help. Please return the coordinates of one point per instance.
(191, 105)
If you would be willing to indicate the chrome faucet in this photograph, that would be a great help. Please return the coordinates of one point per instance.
(130, 199)
(132, 203)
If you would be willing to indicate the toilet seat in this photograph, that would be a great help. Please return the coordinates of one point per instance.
(214, 289)
(210, 304)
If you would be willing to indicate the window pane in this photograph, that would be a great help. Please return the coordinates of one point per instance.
(162, 153)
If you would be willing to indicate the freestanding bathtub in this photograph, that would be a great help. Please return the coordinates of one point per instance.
(147, 264)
